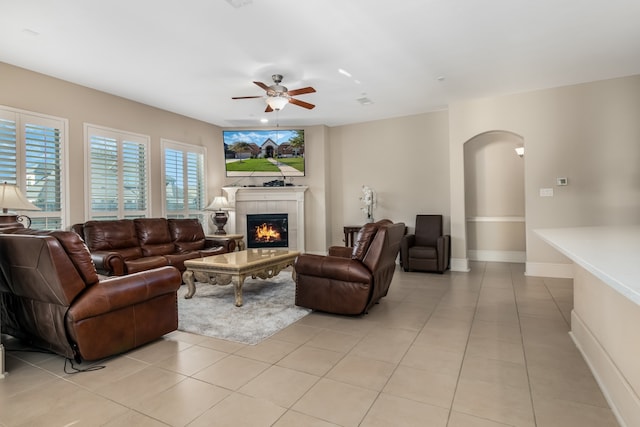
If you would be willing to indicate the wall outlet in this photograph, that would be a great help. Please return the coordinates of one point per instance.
(546, 192)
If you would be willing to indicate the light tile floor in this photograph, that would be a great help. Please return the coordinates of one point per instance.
(489, 348)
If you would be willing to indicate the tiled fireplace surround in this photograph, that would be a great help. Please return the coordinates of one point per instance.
(263, 200)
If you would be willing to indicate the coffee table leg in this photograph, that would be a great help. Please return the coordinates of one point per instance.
(187, 277)
(237, 289)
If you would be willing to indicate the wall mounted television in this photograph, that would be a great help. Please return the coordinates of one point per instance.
(263, 153)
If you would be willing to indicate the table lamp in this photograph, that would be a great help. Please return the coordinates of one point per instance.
(12, 198)
(220, 217)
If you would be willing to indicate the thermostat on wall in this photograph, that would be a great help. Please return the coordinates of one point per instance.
(562, 181)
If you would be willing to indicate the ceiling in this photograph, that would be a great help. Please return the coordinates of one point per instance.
(404, 56)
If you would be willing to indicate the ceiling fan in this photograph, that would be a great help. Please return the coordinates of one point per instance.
(278, 96)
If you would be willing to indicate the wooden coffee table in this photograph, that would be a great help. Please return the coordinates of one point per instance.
(235, 267)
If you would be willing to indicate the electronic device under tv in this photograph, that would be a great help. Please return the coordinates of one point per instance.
(264, 153)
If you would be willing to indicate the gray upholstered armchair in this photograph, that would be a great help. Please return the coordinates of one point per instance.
(428, 249)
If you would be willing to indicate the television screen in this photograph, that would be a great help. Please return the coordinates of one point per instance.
(264, 153)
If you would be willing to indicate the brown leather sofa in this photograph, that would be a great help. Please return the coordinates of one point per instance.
(126, 246)
(350, 280)
(52, 297)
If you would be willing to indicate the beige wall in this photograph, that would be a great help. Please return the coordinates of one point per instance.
(404, 159)
(35, 92)
(588, 133)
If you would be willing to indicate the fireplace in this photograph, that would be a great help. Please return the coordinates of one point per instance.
(268, 230)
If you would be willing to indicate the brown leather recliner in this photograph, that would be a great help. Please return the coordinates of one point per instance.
(428, 249)
(350, 280)
(52, 297)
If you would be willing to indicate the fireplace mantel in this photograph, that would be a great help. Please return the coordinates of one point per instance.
(250, 200)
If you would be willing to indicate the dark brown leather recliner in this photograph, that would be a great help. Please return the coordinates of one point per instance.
(428, 249)
(52, 297)
(350, 280)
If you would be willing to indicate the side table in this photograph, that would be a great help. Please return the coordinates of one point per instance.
(239, 238)
(350, 232)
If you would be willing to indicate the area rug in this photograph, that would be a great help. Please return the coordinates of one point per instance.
(268, 307)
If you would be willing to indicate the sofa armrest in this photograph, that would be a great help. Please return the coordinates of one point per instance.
(109, 263)
(228, 244)
(336, 268)
(408, 240)
(340, 251)
(124, 291)
(444, 251)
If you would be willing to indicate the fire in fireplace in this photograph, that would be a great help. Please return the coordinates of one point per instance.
(267, 231)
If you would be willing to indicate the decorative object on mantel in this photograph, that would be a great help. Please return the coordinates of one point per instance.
(12, 198)
(219, 204)
(269, 306)
(369, 200)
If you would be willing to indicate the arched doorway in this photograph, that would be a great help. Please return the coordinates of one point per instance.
(495, 197)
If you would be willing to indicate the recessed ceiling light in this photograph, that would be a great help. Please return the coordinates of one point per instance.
(344, 72)
(364, 101)
(440, 79)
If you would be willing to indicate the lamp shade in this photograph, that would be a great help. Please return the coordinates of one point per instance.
(277, 102)
(12, 198)
(219, 203)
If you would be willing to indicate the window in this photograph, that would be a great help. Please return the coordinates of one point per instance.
(32, 148)
(184, 181)
(117, 174)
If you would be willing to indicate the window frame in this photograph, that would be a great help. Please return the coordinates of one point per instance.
(21, 118)
(185, 148)
(120, 136)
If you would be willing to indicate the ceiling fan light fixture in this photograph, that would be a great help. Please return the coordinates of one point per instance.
(277, 102)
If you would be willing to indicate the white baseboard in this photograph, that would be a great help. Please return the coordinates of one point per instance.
(459, 264)
(622, 399)
(547, 269)
(497, 256)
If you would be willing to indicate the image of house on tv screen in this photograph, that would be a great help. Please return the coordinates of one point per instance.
(277, 153)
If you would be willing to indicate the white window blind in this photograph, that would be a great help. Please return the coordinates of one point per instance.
(184, 181)
(31, 156)
(118, 174)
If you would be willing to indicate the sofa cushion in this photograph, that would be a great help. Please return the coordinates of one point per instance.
(110, 234)
(187, 234)
(363, 240)
(153, 236)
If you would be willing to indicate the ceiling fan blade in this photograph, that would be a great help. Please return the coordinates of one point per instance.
(246, 97)
(301, 103)
(268, 109)
(262, 85)
(301, 91)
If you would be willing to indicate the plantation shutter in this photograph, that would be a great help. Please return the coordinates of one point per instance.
(42, 160)
(8, 160)
(104, 174)
(134, 177)
(184, 181)
(118, 174)
(31, 156)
